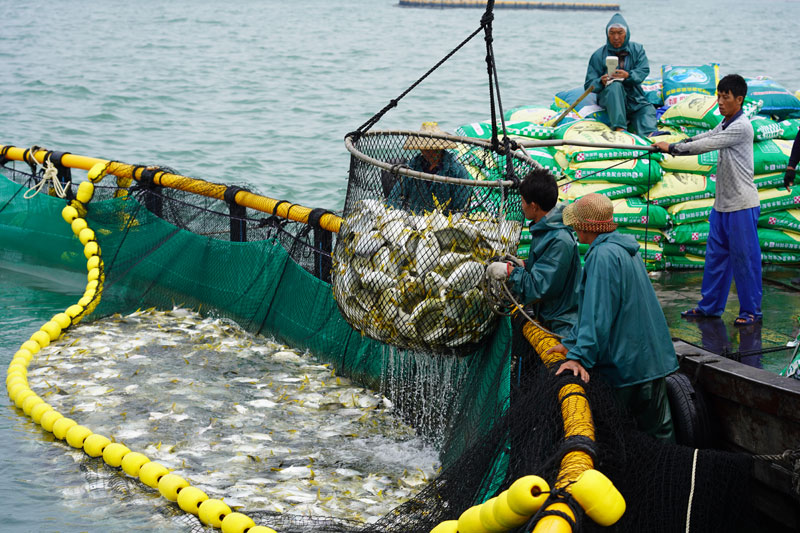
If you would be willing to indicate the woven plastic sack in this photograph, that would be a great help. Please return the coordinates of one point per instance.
(790, 126)
(684, 249)
(696, 110)
(691, 211)
(546, 158)
(765, 128)
(684, 262)
(784, 220)
(653, 91)
(569, 192)
(780, 258)
(642, 172)
(778, 199)
(778, 240)
(768, 181)
(692, 233)
(596, 132)
(771, 156)
(637, 213)
(776, 99)
(643, 234)
(476, 130)
(564, 99)
(536, 114)
(680, 81)
(694, 164)
(680, 187)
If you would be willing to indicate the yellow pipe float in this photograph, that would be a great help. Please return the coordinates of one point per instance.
(593, 491)
(264, 204)
(211, 512)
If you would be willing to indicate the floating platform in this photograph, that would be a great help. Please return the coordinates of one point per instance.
(510, 4)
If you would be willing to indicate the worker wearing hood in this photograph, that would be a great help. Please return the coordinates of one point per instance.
(620, 92)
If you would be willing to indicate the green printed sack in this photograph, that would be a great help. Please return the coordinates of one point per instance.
(778, 240)
(635, 171)
(529, 130)
(787, 220)
(771, 156)
(695, 110)
(534, 114)
(693, 164)
(652, 91)
(680, 187)
(684, 249)
(637, 213)
(780, 258)
(545, 157)
(776, 99)
(644, 234)
(790, 127)
(684, 262)
(650, 251)
(766, 128)
(691, 211)
(680, 81)
(588, 131)
(778, 199)
(571, 191)
(692, 233)
(476, 130)
(768, 181)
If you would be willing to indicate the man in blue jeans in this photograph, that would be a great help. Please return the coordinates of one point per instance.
(732, 251)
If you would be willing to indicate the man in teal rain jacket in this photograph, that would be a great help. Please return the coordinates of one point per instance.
(549, 278)
(621, 334)
(620, 91)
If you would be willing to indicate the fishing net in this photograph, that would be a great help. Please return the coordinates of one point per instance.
(501, 414)
(417, 235)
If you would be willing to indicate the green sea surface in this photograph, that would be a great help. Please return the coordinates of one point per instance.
(261, 93)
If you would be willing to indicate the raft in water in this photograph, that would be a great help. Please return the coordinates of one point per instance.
(509, 5)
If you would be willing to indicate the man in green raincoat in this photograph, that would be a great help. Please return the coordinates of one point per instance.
(621, 334)
(620, 91)
(549, 278)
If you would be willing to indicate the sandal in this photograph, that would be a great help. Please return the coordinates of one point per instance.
(694, 312)
(746, 319)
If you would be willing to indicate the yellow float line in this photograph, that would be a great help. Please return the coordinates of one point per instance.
(174, 488)
(264, 204)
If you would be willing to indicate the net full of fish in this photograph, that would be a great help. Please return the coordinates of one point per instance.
(240, 417)
(413, 280)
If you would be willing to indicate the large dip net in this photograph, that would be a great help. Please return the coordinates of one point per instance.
(413, 245)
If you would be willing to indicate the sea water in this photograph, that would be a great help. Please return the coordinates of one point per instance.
(261, 93)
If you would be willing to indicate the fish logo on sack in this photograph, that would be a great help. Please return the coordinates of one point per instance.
(689, 75)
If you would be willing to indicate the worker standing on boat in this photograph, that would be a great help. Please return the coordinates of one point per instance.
(549, 278)
(434, 157)
(620, 92)
(732, 250)
(621, 332)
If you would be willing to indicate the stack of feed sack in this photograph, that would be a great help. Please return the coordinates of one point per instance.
(646, 223)
(615, 172)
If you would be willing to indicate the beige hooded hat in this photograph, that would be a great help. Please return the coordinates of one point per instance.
(414, 142)
(593, 212)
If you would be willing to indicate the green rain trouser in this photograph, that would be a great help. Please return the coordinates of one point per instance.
(642, 121)
(649, 405)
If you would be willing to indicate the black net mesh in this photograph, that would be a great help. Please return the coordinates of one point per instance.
(664, 485)
(412, 251)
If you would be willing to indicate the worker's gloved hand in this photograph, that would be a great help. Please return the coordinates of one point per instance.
(516, 260)
(498, 270)
(788, 178)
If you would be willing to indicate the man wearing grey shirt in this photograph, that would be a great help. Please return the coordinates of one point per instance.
(732, 251)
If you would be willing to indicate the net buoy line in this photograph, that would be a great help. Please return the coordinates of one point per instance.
(211, 512)
(244, 198)
(530, 501)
